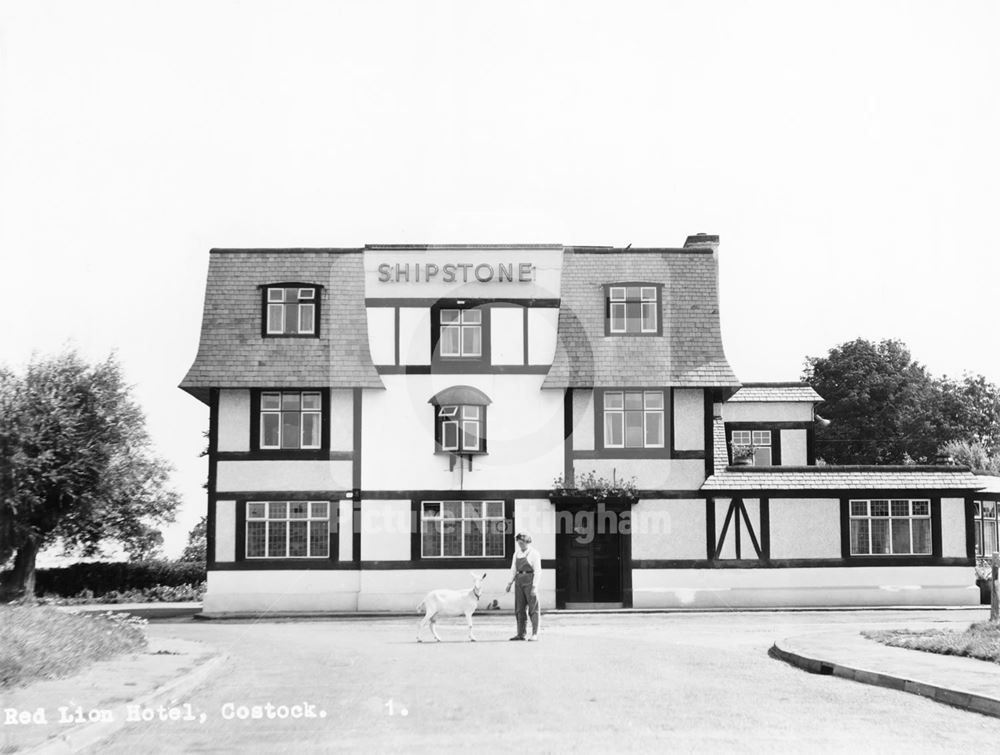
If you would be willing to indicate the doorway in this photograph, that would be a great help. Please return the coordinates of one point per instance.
(593, 556)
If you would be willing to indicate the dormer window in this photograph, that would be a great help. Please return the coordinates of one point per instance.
(291, 310)
(633, 309)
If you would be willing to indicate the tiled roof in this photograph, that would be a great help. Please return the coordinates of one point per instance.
(690, 351)
(776, 392)
(990, 483)
(233, 354)
(720, 455)
(843, 478)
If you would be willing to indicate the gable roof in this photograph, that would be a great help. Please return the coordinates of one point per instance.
(767, 392)
(232, 353)
(690, 351)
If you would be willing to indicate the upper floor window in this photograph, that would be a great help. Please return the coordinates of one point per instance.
(633, 309)
(288, 529)
(291, 419)
(291, 310)
(633, 419)
(460, 419)
(754, 445)
(460, 333)
(985, 524)
(890, 527)
(460, 428)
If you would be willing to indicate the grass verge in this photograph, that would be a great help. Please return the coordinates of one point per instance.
(980, 640)
(42, 643)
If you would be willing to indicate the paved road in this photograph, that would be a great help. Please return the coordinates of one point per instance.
(687, 682)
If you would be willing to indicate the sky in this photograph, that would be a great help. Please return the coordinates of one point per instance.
(848, 155)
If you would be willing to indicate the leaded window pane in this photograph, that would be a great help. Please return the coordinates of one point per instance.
(431, 538)
(452, 509)
(298, 510)
(277, 510)
(256, 532)
(922, 536)
(472, 509)
(298, 539)
(880, 536)
(319, 509)
(473, 536)
(319, 539)
(494, 508)
(880, 508)
(901, 536)
(452, 537)
(277, 534)
(900, 508)
(859, 536)
(859, 508)
(256, 510)
(494, 538)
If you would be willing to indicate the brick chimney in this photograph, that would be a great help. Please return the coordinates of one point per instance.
(702, 241)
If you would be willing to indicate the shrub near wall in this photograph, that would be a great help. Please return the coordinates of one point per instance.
(103, 578)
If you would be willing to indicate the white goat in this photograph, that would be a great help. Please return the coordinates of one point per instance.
(450, 603)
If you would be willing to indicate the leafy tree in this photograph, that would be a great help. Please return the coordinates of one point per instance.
(76, 465)
(197, 544)
(886, 408)
(972, 454)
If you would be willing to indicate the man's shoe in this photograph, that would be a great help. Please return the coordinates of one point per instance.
(533, 638)
(519, 638)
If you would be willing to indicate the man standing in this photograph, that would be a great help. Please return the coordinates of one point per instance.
(525, 574)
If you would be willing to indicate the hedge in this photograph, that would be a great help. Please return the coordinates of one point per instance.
(101, 578)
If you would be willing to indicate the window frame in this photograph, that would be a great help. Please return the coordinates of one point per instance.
(662, 450)
(483, 518)
(257, 411)
(455, 414)
(301, 302)
(612, 300)
(461, 361)
(246, 520)
(980, 522)
(755, 427)
(932, 517)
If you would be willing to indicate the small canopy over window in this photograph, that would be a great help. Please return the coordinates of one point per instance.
(460, 395)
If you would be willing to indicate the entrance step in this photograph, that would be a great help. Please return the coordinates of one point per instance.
(592, 606)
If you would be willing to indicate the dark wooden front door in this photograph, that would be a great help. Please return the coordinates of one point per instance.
(591, 566)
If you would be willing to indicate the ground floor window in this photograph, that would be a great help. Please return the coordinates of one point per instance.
(288, 529)
(986, 527)
(890, 527)
(461, 529)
